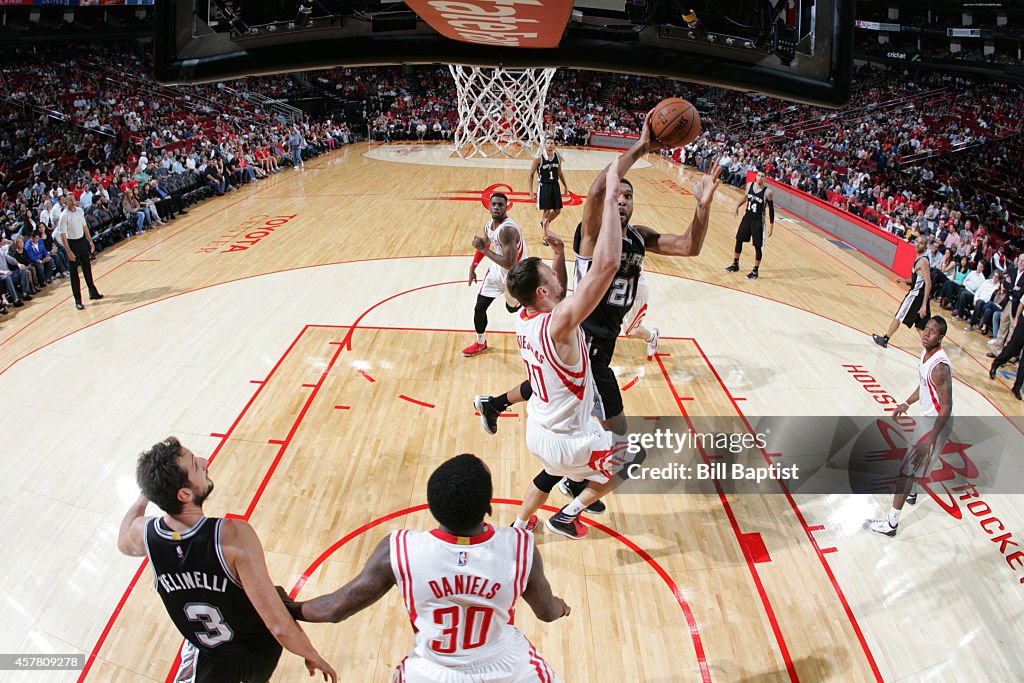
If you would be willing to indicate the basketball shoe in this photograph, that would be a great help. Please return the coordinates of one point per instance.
(567, 526)
(652, 343)
(474, 349)
(488, 415)
(912, 499)
(734, 268)
(880, 340)
(573, 489)
(882, 526)
(531, 524)
(752, 275)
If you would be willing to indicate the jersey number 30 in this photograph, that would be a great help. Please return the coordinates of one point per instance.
(474, 628)
(217, 632)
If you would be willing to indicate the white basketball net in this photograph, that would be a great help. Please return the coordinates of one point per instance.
(501, 111)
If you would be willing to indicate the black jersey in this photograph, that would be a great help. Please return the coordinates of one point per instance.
(202, 597)
(755, 203)
(606, 320)
(547, 172)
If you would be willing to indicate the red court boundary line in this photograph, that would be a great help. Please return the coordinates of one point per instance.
(365, 374)
(754, 575)
(413, 400)
(803, 522)
(631, 384)
(691, 622)
(399, 258)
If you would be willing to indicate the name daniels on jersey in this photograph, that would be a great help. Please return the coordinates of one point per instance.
(192, 581)
(460, 584)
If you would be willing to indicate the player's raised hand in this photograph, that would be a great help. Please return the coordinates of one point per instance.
(555, 242)
(704, 188)
(649, 142)
(479, 243)
(318, 664)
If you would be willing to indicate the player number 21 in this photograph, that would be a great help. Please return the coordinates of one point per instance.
(474, 628)
(621, 292)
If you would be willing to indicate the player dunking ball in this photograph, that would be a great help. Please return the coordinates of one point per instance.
(459, 584)
(211, 575)
(603, 325)
(502, 242)
(935, 392)
(559, 430)
(751, 229)
(916, 307)
(547, 168)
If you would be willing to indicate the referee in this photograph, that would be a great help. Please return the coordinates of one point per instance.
(74, 234)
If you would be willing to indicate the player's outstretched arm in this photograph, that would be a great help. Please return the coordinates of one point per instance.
(690, 242)
(507, 239)
(372, 583)
(557, 257)
(545, 604)
(533, 174)
(244, 554)
(593, 207)
(572, 310)
(131, 535)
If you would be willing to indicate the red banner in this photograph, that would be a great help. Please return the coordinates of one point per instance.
(502, 23)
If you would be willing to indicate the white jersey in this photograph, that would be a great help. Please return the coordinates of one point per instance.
(460, 592)
(927, 393)
(492, 235)
(563, 395)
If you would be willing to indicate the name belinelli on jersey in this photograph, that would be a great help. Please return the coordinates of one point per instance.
(192, 581)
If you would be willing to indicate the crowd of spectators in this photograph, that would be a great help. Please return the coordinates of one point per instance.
(924, 156)
(91, 123)
(904, 147)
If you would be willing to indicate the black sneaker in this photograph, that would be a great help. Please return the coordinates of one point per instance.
(912, 499)
(573, 489)
(734, 268)
(488, 415)
(567, 526)
(880, 340)
(513, 309)
(752, 275)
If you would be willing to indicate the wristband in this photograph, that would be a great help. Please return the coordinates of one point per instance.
(477, 258)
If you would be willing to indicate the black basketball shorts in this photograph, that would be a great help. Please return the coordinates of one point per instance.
(549, 196)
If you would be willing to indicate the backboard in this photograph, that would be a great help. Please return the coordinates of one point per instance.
(795, 49)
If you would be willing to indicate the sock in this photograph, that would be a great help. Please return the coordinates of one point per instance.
(499, 403)
(894, 517)
(885, 337)
(755, 268)
(520, 523)
(736, 262)
(481, 339)
(574, 508)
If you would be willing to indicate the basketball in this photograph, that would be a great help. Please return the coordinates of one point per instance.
(675, 122)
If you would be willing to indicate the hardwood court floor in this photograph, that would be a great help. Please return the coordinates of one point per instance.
(317, 363)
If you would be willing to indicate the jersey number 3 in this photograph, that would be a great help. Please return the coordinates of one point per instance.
(217, 632)
(474, 628)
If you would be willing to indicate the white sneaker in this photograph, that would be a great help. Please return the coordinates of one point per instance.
(992, 341)
(882, 526)
(652, 344)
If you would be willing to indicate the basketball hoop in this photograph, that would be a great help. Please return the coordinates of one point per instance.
(501, 111)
